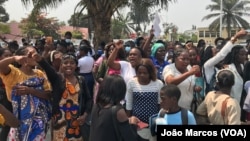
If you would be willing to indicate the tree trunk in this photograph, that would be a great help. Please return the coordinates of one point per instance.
(228, 27)
(102, 26)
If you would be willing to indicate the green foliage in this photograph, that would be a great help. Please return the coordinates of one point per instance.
(79, 20)
(101, 12)
(117, 29)
(4, 28)
(36, 27)
(183, 38)
(61, 23)
(194, 38)
(77, 35)
(4, 16)
(232, 14)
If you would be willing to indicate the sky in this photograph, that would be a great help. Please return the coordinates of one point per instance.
(183, 13)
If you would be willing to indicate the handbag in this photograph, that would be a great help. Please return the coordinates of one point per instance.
(117, 132)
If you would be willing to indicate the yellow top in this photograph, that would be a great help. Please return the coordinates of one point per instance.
(17, 76)
(2, 120)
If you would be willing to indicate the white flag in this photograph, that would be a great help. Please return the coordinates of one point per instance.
(156, 25)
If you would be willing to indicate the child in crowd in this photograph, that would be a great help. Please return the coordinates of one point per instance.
(170, 95)
(171, 113)
(219, 106)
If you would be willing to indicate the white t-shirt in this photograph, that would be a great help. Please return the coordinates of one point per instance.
(186, 87)
(86, 64)
(133, 86)
(127, 71)
(238, 84)
(209, 66)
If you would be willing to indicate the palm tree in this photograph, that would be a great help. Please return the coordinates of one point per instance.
(139, 14)
(4, 16)
(123, 25)
(99, 11)
(232, 13)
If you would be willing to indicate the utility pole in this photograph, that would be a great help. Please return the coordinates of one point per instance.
(221, 8)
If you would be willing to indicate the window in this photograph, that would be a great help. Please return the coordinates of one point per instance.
(213, 34)
(207, 34)
(218, 34)
(201, 33)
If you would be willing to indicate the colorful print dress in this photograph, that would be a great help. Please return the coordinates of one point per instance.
(33, 112)
(68, 127)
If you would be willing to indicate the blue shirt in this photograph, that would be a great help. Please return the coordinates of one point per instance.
(159, 67)
(175, 118)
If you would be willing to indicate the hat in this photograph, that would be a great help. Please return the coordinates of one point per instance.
(155, 47)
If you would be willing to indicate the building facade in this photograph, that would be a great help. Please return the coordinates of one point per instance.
(210, 36)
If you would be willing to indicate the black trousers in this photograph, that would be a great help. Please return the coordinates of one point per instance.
(90, 81)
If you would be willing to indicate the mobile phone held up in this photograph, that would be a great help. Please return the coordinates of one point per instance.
(49, 40)
(248, 31)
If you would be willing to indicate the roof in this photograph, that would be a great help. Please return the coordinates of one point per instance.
(15, 32)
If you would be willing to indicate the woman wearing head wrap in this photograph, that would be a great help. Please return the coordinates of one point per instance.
(158, 53)
(72, 102)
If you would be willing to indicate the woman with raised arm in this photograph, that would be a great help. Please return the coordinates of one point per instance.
(72, 102)
(127, 68)
(211, 66)
(180, 73)
(29, 91)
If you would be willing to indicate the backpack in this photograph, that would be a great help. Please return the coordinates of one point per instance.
(210, 86)
(152, 119)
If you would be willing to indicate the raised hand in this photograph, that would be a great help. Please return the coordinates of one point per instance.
(152, 30)
(195, 69)
(21, 59)
(37, 57)
(241, 33)
(119, 44)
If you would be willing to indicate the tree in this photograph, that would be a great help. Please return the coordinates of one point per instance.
(171, 30)
(232, 13)
(37, 26)
(140, 14)
(4, 28)
(62, 23)
(183, 37)
(78, 20)
(121, 26)
(77, 34)
(194, 38)
(4, 16)
(99, 11)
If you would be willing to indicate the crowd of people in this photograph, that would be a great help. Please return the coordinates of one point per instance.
(121, 91)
